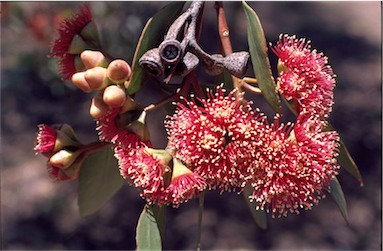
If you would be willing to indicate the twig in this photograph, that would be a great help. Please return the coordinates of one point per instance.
(224, 36)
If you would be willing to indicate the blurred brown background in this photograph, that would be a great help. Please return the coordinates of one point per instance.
(37, 214)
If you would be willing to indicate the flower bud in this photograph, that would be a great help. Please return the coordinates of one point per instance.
(114, 96)
(63, 158)
(59, 173)
(93, 59)
(98, 108)
(118, 71)
(78, 80)
(96, 78)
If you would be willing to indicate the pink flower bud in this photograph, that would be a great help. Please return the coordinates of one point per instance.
(96, 78)
(93, 59)
(63, 159)
(78, 80)
(114, 96)
(98, 108)
(119, 71)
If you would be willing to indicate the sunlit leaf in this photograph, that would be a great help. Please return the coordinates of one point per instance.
(148, 235)
(337, 194)
(151, 36)
(258, 215)
(259, 57)
(99, 180)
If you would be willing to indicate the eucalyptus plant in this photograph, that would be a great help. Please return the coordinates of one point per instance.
(216, 138)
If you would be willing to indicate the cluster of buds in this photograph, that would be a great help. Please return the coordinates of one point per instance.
(62, 148)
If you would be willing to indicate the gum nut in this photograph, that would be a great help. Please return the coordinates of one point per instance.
(114, 96)
(96, 77)
(98, 108)
(118, 71)
(79, 80)
(92, 59)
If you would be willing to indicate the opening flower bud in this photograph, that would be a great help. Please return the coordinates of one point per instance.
(93, 59)
(78, 80)
(119, 71)
(96, 78)
(114, 96)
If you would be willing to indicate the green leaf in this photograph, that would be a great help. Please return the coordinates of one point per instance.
(261, 64)
(348, 163)
(337, 194)
(99, 180)
(346, 160)
(148, 235)
(151, 36)
(258, 215)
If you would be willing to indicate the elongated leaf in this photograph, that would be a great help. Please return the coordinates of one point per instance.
(258, 215)
(337, 194)
(261, 64)
(160, 216)
(346, 160)
(148, 235)
(151, 36)
(348, 163)
(99, 180)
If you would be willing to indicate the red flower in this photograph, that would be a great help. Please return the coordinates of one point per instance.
(109, 131)
(215, 140)
(185, 185)
(46, 139)
(304, 76)
(68, 29)
(144, 171)
(293, 168)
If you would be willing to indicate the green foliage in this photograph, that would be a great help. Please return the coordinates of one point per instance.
(99, 180)
(338, 196)
(148, 234)
(259, 58)
(151, 36)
